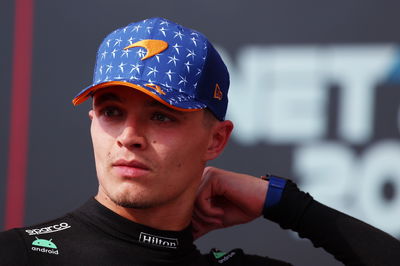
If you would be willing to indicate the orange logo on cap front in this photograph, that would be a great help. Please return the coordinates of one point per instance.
(153, 47)
(156, 88)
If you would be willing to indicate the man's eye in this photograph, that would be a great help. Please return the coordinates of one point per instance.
(111, 112)
(161, 117)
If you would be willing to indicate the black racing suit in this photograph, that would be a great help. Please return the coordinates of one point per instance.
(94, 235)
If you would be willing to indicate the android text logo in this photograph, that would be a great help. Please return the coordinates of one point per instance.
(44, 246)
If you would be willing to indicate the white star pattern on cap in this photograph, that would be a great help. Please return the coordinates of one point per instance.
(176, 47)
(136, 28)
(183, 80)
(172, 59)
(157, 56)
(153, 70)
(163, 31)
(141, 53)
(109, 67)
(149, 29)
(121, 67)
(169, 74)
(113, 53)
(164, 23)
(130, 40)
(135, 67)
(117, 42)
(188, 64)
(194, 40)
(178, 34)
(103, 55)
(176, 70)
(191, 54)
(198, 71)
(125, 52)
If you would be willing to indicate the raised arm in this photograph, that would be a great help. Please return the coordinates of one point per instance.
(227, 198)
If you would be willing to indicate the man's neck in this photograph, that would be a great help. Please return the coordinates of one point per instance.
(173, 216)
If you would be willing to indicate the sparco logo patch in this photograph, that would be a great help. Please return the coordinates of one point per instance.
(158, 240)
(48, 229)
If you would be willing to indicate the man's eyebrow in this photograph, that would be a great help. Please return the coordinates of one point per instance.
(163, 106)
(107, 97)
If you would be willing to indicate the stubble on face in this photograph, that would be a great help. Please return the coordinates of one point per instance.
(128, 195)
(133, 194)
(132, 201)
(154, 190)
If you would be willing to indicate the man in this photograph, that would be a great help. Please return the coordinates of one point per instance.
(158, 116)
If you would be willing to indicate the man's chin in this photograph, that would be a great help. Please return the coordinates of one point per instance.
(132, 203)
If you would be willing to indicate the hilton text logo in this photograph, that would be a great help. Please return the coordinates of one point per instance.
(158, 240)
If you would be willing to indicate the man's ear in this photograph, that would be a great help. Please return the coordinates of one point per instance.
(220, 134)
(91, 114)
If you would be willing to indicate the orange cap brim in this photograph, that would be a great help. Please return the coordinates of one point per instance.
(87, 93)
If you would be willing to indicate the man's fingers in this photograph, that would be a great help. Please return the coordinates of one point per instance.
(200, 227)
(208, 207)
(206, 219)
(205, 200)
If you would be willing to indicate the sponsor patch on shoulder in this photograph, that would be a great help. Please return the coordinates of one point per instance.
(46, 246)
(48, 229)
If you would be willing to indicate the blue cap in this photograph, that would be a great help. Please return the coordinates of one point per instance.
(175, 65)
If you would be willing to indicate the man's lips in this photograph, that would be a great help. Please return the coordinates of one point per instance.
(133, 163)
(130, 169)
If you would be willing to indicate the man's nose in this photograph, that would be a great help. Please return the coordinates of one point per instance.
(132, 137)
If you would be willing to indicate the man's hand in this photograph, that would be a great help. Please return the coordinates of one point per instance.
(227, 198)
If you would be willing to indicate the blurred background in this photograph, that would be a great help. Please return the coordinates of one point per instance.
(315, 97)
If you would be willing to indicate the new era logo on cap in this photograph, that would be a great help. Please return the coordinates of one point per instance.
(173, 64)
(217, 92)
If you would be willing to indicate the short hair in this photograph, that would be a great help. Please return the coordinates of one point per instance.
(209, 118)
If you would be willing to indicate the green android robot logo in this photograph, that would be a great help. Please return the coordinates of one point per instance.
(219, 255)
(44, 243)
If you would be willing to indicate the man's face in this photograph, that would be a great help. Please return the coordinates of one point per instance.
(146, 154)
